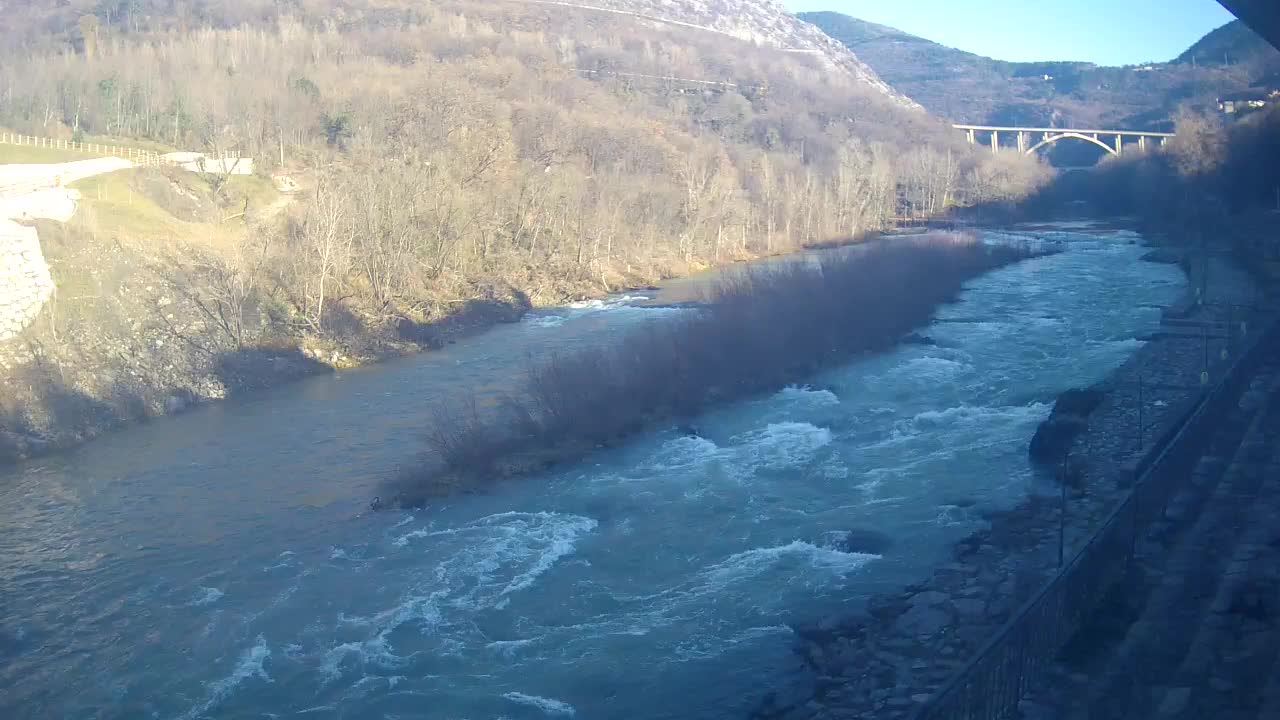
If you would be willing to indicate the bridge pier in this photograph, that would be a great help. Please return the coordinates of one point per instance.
(1026, 137)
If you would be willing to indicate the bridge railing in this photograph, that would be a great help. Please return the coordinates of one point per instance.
(991, 684)
(1082, 131)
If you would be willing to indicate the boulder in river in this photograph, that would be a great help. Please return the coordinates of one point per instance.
(1169, 256)
(863, 542)
(1070, 416)
(918, 339)
(688, 430)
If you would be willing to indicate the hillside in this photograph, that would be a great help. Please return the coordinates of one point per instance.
(760, 22)
(461, 160)
(1231, 44)
(965, 87)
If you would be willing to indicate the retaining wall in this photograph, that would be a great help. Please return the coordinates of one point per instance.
(25, 282)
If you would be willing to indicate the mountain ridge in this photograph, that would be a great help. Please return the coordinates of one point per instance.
(764, 22)
(1220, 46)
(967, 87)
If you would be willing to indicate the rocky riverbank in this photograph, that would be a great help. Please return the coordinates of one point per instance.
(47, 407)
(887, 659)
(127, 340)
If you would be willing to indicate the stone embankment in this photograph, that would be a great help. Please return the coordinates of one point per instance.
(887, 660)
(1193, 633)
(29, 192)
(25, 282)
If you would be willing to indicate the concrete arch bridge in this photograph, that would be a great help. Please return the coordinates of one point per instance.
(1029, 139)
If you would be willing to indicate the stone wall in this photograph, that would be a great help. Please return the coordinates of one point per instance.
(25, 282)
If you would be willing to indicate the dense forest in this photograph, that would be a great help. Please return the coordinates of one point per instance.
(450, 153)
(506, 138)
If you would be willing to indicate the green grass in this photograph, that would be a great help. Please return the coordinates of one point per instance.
(30, 155)
(16, 154)
(113, 206)
(257, 190)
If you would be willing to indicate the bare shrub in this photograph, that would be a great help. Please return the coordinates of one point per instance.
(759, 330)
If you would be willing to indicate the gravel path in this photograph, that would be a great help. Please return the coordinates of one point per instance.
(19, 181)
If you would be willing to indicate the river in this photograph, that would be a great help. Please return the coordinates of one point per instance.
(223, 564)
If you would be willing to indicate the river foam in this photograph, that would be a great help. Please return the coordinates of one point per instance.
(206, 596)
(252, 664)
(781, 445)
(807, 396)
(747, 565)
(549, 706)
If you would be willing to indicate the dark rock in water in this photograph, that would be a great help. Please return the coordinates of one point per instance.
(1168, 256)
(918, 339)
(1053, 438)
(1078, 402)
(179, 401)
(689, 431)
(1070, 416)
(863, 542)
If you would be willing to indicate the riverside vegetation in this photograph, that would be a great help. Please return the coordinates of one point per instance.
(759, 330)
(460, 161)
(1216, 185)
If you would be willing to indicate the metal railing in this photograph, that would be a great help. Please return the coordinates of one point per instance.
(991, 684)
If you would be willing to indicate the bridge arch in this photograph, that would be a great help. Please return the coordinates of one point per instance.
(1063, 136)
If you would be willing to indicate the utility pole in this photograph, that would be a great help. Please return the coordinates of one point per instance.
(1141, 403)
(1063, 478)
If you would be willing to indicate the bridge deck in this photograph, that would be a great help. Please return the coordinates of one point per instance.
(1127, 133)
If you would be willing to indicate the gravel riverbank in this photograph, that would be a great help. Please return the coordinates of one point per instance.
(888, 658)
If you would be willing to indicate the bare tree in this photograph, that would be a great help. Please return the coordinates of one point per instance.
(325, 238)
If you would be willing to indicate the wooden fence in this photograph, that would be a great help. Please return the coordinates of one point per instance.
(138, 156)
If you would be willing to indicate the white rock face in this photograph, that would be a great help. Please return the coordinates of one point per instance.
(765, 22)
(30, 192)
(25, 282)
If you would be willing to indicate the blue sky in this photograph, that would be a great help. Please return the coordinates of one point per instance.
(1107, 32)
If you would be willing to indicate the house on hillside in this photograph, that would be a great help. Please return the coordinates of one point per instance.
(1246, 102)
